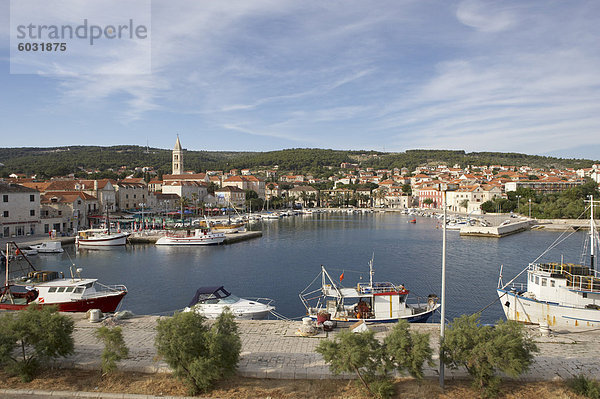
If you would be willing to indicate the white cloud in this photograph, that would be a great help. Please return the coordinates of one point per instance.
(486, 15)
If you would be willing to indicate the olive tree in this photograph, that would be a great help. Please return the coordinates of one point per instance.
(32, 336)
(199, 354)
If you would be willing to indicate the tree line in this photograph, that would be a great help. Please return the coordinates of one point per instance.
(62, 161)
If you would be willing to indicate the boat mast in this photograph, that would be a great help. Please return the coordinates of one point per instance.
(371, 271)
(7, 252)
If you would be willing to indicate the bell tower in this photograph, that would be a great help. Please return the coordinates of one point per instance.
(177, 158)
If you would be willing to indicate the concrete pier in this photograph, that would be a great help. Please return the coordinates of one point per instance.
(495, 231)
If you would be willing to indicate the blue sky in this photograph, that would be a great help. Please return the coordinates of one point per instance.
(259, 75)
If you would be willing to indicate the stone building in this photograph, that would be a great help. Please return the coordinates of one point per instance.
(19, 210)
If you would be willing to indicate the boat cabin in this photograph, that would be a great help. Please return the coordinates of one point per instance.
(564, 283)
(209, 295)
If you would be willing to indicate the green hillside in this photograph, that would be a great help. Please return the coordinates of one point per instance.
(60, 161)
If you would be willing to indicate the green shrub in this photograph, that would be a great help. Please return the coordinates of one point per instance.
(199, 355)
(483, 350)
(407, 350)
(115, 349)
(584, 386)
(363, 354)
(32, 336)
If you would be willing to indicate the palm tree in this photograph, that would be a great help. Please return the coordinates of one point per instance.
(195, 202)
(183, 202)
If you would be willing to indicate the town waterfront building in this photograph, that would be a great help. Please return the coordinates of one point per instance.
(19, 210)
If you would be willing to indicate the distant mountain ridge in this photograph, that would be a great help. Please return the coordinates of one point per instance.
(60, 161)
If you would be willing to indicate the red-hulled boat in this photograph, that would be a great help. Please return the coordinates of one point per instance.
(74, 294)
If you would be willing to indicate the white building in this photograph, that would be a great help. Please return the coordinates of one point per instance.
(19, 210)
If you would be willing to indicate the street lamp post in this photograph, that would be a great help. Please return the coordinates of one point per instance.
(518, 202)
(529, 208)
(443, 307)
(142, 205)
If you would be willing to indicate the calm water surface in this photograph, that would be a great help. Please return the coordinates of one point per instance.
(288, 256)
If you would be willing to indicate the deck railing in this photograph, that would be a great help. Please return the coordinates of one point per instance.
(579, 277)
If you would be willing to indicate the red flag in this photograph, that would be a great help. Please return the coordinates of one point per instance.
(341, 277)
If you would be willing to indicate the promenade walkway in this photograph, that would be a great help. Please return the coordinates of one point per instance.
(272, 349)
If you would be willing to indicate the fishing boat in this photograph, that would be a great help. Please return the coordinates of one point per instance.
(28, 286)
(556, 294)
(212, 301)
(199, 236)
(373, 302)
(100, 238)
(51, 247)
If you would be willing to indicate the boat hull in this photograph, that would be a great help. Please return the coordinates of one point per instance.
(531, 311)
(117, 240)
(412, 318)
(106, 304)
(190, 240)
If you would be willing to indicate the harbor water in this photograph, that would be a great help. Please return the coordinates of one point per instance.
(281, 263)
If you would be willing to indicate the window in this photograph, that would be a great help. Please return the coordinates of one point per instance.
(544, 282)
(52, 289)
(31, 198)
(5, 198)
(32, 212)
(59, 213)
(46, 228)
(5, 214)
(552, 283)
(126, 196)
(61, 289)
(78, 290)
(537, 280)
(69, 289)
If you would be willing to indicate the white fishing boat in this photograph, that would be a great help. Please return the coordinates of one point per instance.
(199, 236)
(100, 238)
(50, 247)
(559, 294)
(211, 301)
(373, 302)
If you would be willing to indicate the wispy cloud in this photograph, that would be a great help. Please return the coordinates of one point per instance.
(471, 74)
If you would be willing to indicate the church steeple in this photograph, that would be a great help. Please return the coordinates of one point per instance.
(177, 158)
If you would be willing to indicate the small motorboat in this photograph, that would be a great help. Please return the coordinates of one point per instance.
(50, 247)
(211, 301)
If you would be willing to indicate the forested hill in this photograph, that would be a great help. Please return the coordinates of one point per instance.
(60, 161)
